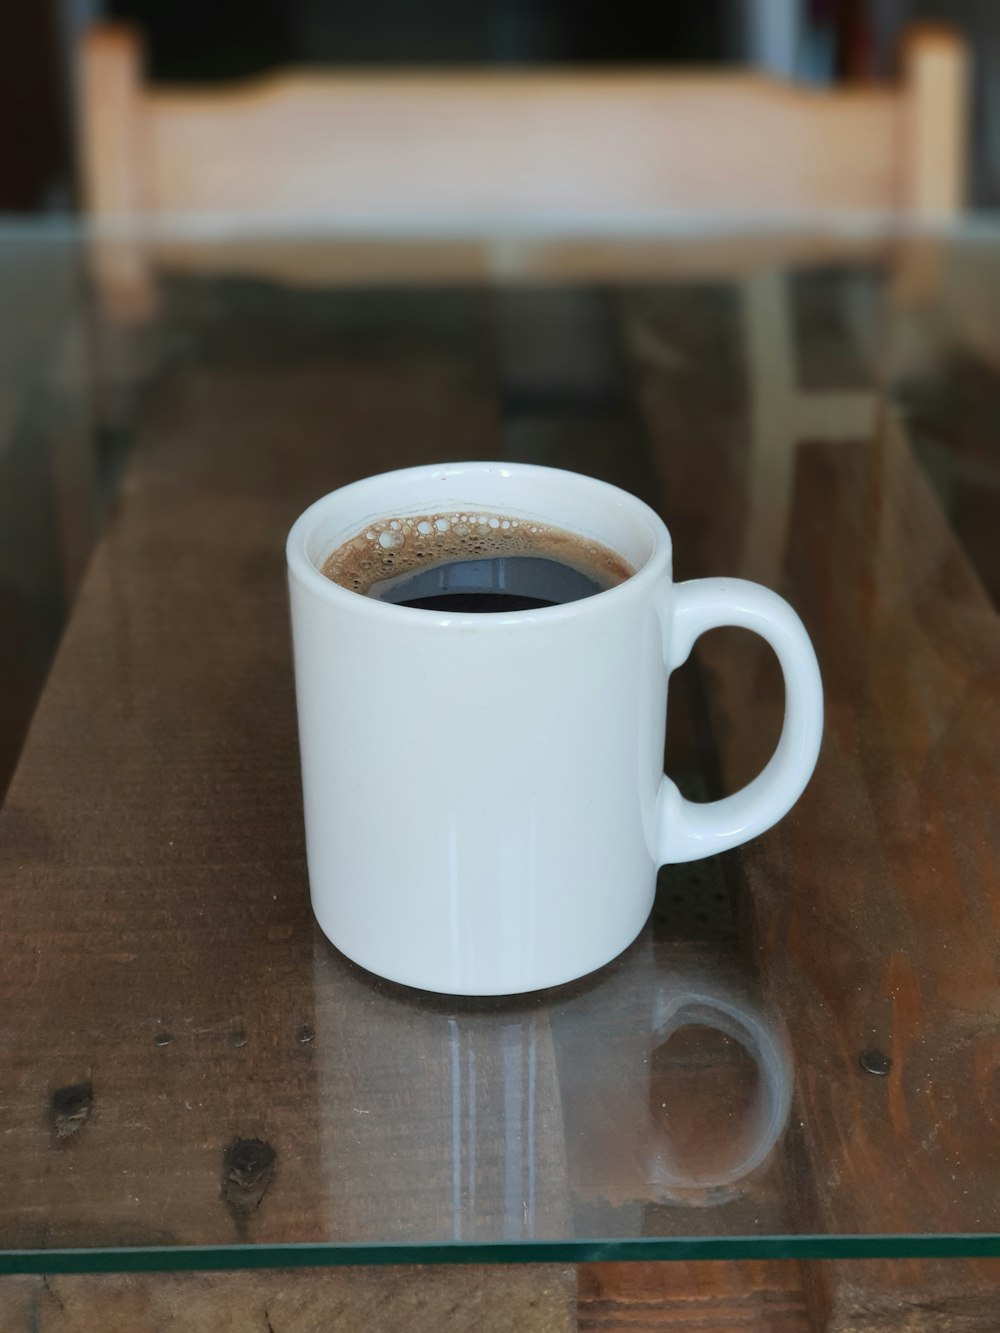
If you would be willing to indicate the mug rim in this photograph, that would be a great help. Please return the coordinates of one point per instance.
(302, 568)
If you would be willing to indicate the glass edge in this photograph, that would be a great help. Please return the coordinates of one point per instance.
(195, 1258)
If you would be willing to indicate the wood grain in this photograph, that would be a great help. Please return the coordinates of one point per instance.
(871, 907)
(160, 944)
(919, 875)
(166, 959)
(692, 1298)
(162, 949)
(391, 1300)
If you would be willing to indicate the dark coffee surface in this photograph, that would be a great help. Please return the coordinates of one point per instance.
(466, 603)
(500, 583)
(478, 562)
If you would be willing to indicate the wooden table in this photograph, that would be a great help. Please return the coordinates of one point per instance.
(798, 1059)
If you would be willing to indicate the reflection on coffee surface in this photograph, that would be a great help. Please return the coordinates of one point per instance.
(474, 562)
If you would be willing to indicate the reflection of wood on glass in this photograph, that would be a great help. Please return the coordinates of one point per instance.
(157, 985)
(163, 1001)
(872, 907)
(438, 1119)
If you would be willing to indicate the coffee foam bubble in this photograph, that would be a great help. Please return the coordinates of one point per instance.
(394, 546)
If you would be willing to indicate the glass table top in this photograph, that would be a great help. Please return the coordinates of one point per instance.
(799, 1056)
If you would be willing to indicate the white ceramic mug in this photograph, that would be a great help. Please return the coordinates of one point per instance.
(485, 805)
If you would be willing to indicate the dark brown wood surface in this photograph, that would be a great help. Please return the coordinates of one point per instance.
(159, 938)
(870, 910)
(189, 1062)
(474, 1299)
(684, 1298)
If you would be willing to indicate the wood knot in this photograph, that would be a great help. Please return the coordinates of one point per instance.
(247, 1171)
(71, 1107)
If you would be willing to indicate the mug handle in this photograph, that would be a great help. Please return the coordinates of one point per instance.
(689, 830)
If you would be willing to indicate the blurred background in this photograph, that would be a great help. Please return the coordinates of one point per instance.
(816, 42)
(268, 123)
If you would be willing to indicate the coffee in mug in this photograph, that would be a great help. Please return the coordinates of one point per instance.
(473, 562)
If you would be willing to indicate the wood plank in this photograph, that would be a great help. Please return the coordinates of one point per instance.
(100, 882)
(938, 98)
(910, 768)
(664, 1134)
(586, 419)
(532, 1299)
(445, 147)
(160, 946)
(692, 1298)
(231, 994)
(872, 906)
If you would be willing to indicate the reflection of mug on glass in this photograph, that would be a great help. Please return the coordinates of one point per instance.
(675, 1085)
(594, 1111)
(694, 1164)
(484, 797)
